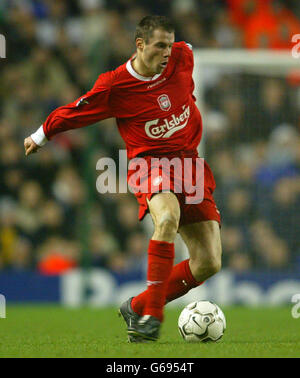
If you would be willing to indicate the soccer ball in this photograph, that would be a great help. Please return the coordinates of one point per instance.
(201, 321)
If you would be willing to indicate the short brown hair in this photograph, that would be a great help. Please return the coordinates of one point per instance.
(148, 24)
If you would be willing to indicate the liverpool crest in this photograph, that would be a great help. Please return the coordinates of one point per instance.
(164, 102)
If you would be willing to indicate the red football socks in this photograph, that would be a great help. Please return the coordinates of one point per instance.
(160, 263)
(180, 282)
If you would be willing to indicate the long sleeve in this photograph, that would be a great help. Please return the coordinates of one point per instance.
(86, 110)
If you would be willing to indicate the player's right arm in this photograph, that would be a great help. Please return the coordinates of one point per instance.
(90, 108)
(30, 146)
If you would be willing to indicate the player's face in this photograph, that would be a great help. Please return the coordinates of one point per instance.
(156, 52)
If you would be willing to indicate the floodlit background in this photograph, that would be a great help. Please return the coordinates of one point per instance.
(52, 220)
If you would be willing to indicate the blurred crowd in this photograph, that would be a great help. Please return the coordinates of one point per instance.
(252, 130)
(51, 216)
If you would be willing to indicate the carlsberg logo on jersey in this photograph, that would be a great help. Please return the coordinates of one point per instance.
(169, 127)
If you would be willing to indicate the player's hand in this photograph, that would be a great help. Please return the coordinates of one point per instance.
(30, 146)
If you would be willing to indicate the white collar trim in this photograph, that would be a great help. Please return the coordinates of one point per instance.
(138, 76)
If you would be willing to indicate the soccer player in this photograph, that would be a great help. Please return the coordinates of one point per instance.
(151, 97)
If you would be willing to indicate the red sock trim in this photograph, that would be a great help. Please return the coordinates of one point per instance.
(189, 274)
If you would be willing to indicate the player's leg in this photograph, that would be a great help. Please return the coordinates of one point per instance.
(204, 245)
(200, 230)
(165, 211)
(203, 241)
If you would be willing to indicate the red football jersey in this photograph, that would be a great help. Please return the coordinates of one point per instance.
(155, 115)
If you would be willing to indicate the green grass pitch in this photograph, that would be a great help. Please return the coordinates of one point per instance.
(52, 331)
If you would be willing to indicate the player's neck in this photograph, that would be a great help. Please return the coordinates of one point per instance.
(140, 68)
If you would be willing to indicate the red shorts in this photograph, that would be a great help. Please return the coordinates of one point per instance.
(147, 179)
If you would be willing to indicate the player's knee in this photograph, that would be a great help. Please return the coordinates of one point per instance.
(214, 263)
(166, 227)
(214, 266)
(203, 269)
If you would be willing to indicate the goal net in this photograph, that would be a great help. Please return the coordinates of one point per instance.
(250, 105)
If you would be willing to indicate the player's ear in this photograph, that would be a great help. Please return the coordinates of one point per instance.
(140, 43)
